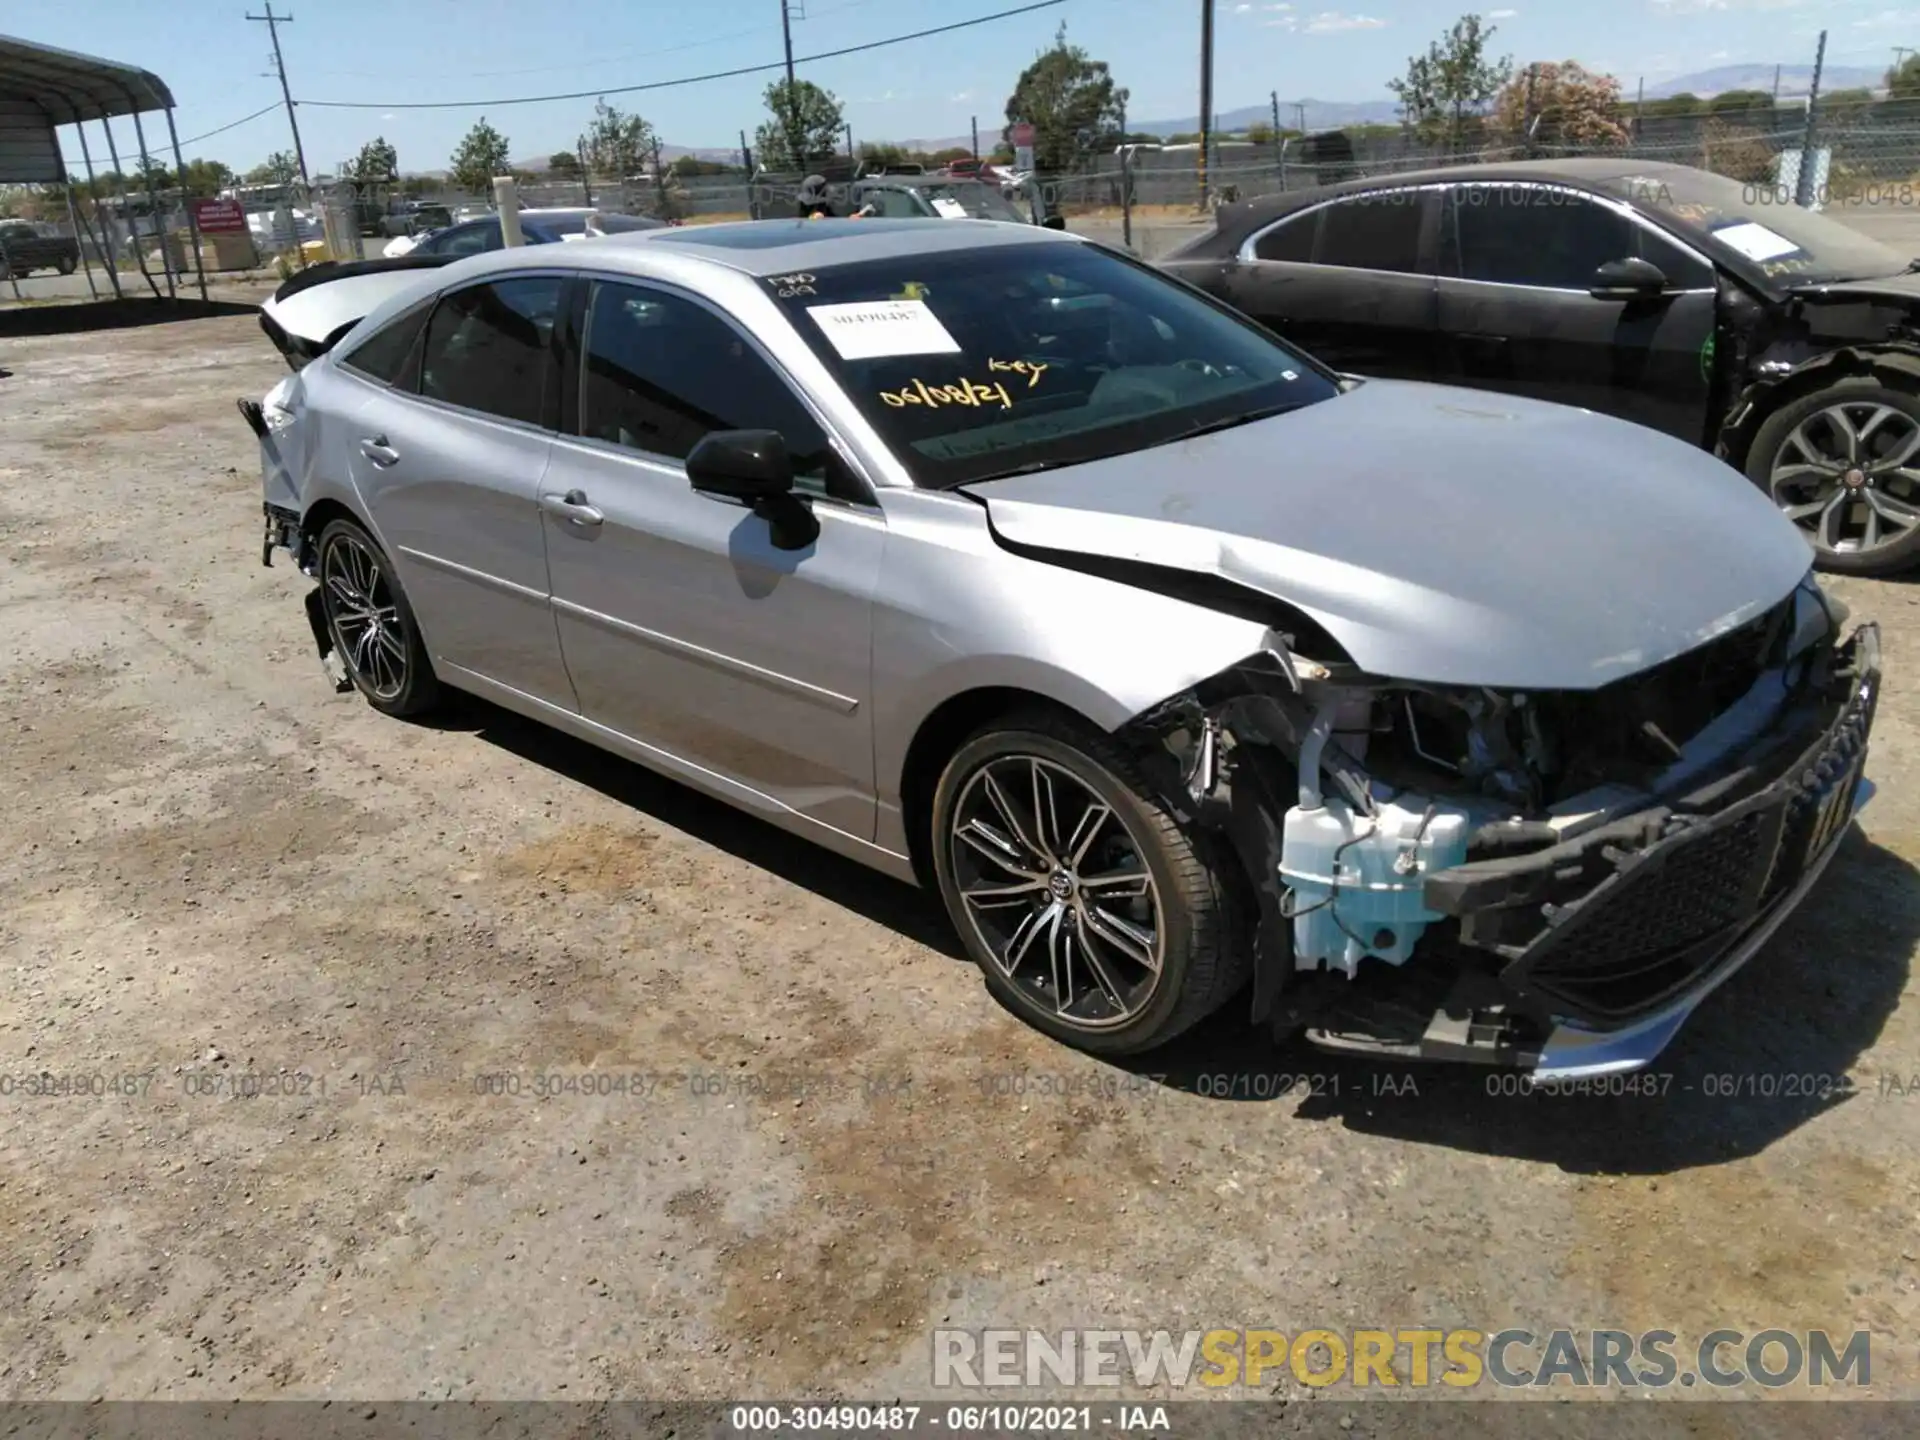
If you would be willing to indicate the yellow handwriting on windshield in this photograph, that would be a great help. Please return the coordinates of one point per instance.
(1032, 369)
(966, 392)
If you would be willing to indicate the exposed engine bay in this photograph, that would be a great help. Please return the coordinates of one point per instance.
(1461, 872)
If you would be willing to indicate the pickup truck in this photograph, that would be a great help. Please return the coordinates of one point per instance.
(24, 249)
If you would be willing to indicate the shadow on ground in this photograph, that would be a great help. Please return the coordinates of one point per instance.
(913, 913)
(1777, 1045)
(24, 321)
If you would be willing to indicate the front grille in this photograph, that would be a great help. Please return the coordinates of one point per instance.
(1669, 913)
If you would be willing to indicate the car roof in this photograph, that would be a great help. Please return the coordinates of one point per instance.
(1582, 171)
(778, 247)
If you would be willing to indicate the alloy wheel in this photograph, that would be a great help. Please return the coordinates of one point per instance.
(1057, 890)
(364, 617)
(1849, 475)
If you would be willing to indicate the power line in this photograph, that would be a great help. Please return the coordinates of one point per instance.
(685, 80)
(263, 110)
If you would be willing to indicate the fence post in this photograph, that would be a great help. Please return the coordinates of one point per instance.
(1803, 190)
(1126, 194)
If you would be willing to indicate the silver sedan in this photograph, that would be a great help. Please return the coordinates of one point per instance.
(1002, 563)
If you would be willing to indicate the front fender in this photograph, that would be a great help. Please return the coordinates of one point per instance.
(1895, 364)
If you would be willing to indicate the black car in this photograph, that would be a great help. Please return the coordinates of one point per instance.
(1718, 311)
(537, 227)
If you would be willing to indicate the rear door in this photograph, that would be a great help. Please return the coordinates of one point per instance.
(1517, 262)
(1350, 281)
(451, 468)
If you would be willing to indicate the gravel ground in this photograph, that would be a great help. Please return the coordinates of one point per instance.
(316, 939)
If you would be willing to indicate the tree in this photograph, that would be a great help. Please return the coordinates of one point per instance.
(279, 168)
(1851, 103)
(563, 165)
(616, 144)
(807, 126)
(1685, 103)
(1903, 80)
(480, 156)
(377, 163)
(694, 165)
(1444, 91)
(1573, 106)
(205, 178)
(1742, 107)
(1260, 133)
(1071, 102)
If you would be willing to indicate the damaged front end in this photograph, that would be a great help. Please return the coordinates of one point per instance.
(1549, 879)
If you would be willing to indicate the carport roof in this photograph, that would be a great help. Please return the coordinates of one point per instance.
(69, 88)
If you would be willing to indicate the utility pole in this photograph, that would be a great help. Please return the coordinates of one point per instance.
(274, 22)
(793, 100)
(976, 137)
(1300, 114)
(1776, 86)
(1206, 92)
(1803, 192)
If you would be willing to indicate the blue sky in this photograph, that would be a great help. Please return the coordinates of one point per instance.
(382, 51)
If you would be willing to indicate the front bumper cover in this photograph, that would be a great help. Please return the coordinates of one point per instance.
(1642, 920)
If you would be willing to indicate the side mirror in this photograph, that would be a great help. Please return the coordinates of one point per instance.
(754, 466)
(1054, 222)
(1632, 279)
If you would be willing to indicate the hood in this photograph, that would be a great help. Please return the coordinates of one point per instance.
(1902, 289)
(1442, 535)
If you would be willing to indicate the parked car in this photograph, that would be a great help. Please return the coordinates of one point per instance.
(416, 218)
(1783, 339)
(940, 197)
(996, 560)
(23, 250)
(537, 227)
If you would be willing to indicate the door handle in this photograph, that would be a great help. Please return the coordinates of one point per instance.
(379, 452)
(572, 507)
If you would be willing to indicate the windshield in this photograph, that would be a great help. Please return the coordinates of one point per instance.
(1760, 222)
(983, 362)
(969, 199)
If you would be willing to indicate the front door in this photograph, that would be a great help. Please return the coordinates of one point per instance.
(683, 626)
(1516, 265)
(1349, 283)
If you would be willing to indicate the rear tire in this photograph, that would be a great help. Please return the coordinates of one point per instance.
(66, 265)
(1844, 465)
(1093, 915)
(372, 625)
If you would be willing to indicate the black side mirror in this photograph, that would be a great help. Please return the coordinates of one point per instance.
(1631, 279)
(754, 466)
(1054, 222)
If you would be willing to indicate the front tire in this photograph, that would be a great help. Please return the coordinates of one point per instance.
(1844, 465)
(372, 625)
(66, 265)
(1092, 913)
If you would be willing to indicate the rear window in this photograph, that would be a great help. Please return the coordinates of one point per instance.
(391, 354)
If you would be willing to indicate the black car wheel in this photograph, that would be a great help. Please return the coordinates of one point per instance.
(66, 265)
(372, 625)
(1092, 914)
(1844, 465)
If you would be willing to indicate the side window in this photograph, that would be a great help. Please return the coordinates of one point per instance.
(1531, 235)
(468, 239)
(895, 204)
(391, 354)
(489, 348)
(662, 372)
(1380, 231)
(1683, 270)
(1292, 240)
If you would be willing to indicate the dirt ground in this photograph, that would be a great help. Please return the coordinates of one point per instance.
(295, 960)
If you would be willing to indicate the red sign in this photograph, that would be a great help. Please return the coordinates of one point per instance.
(1021, 135)
(220, 217)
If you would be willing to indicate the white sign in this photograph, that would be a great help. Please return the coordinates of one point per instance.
(1755, 241)
(948, 209)
(1023, 157)
(872, 329)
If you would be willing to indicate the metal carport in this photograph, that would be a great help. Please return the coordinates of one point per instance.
(42, 88)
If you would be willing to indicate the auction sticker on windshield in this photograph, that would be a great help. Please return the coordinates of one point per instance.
(1755, 241)
(875, 329)
(949, 209)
